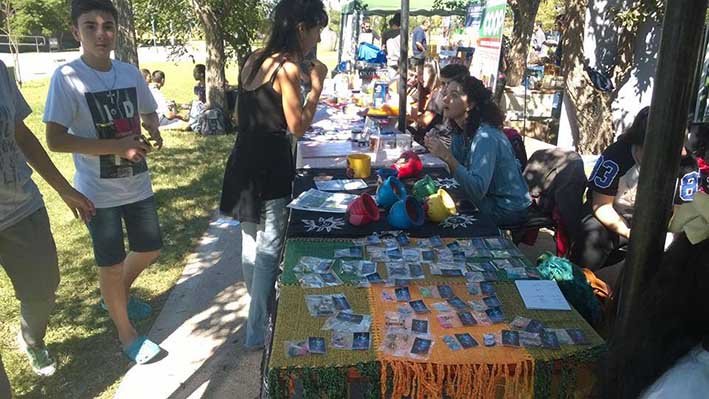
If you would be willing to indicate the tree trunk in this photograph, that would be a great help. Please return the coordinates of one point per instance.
(525, 12)
(590, 109)
(126, 49)
(216, 59)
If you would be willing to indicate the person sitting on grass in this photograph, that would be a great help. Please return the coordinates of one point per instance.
(481, 158)
(94, 110)
(169, 119)
(200, 76)
(27, 251)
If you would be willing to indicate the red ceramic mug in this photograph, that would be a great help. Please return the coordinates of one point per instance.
(363, 211)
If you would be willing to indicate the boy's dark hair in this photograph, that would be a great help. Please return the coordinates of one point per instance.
(395, 20)
(158, 76)
(80, 7)
(199, 72)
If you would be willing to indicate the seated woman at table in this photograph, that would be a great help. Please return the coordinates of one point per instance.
(481, 158)
(610, 198)
(260, 169)
(665, 351)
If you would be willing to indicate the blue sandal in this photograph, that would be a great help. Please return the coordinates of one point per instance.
(137, 309)
(142, 350)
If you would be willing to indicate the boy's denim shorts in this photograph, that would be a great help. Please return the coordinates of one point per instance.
(142, 226)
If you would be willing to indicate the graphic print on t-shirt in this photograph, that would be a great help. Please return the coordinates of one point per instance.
(115, 115)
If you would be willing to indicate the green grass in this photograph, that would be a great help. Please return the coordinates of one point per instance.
(187, 176)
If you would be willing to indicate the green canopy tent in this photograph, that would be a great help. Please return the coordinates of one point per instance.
(355, 9)
(388, 7)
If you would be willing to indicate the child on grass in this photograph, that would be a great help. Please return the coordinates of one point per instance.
(93, 110)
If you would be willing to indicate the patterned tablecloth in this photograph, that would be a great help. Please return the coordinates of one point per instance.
(479, 372)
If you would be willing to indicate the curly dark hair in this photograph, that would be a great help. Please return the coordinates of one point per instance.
(485, 109)
(671, 318)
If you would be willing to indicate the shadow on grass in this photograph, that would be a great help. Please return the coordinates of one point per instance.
(187, 182)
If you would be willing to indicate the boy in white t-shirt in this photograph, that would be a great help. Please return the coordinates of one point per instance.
(94, 110)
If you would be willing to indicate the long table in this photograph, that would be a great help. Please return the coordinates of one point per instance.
(469, 222)
(480, 372)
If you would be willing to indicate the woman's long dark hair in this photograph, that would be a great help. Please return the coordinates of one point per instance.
(284, 38)
(485, 109)
(635, 134)
(671, 318)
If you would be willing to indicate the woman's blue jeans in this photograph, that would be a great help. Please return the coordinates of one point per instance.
(261, 246)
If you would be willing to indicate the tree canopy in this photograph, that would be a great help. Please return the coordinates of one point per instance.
(177, 21)
(38, 17)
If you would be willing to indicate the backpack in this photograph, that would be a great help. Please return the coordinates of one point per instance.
(520, 151)
(211, 122)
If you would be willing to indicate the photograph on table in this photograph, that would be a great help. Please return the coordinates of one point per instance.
(320, 305)
(396, 342)
(311, 264)
(395, 320)
(451, 343)
(419, 326)
(466, 340)
(428, 255)
(441, 307)
(467, 319)
(457, 303)
(419, 306)
(549, 340)
(510, 338)
(351, 252)
(402, 294)
(415, 271)
(360, 341)
(495, 315)
(316, 345)
(530, 340)
(411, 255)
(296, 348)
(348, 322)
(421, 348)
(562, 336)
(310, 280)
(445, 291)
(428, 291)
(448, 320)
(374, 278)
(473, 289)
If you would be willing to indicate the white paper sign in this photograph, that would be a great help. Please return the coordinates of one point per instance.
(542, 295)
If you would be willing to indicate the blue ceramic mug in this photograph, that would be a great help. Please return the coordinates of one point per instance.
(390, 191)
(406, 213)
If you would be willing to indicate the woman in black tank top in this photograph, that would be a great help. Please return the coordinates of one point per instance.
(260, 170)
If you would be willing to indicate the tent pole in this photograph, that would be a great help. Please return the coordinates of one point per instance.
(342, 39)
(679, 48)
(403, 64)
